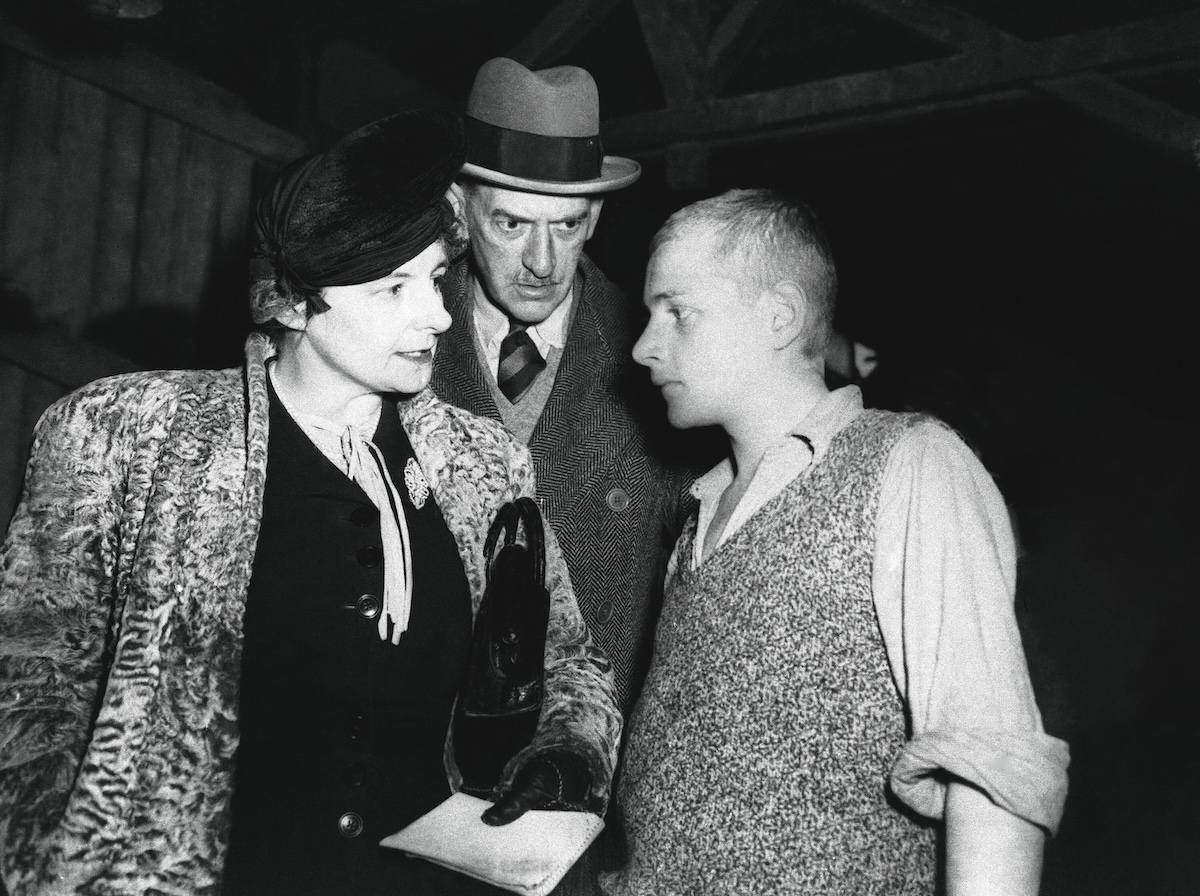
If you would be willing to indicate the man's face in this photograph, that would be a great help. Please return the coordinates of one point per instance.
(703, 336)
(527, 246)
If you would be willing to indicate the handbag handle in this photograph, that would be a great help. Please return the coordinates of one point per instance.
(508, 520)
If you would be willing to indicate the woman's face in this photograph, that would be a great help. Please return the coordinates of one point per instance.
(375, 337)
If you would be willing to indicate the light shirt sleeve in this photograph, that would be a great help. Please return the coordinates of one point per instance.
(944, 583)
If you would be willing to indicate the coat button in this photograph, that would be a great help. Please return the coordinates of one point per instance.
(604, 613)
(367, 606)
(369, 556)
(362, 516)
(350, 824)
(357, 727)
(617, 499)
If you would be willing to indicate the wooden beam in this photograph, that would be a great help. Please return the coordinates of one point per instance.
(961, 76)
(736, 35)
(842, 124)
(145, 79)
(560, 30)
(676, 36)
(943, 24)
(1135, 113)
(1092, 93)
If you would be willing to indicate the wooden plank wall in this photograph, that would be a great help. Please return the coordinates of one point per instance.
(108, 207)
(107, 204)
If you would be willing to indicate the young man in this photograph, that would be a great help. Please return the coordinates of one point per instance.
(837, 661)
(541, 341)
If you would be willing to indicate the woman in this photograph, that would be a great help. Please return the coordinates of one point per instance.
(235, 605)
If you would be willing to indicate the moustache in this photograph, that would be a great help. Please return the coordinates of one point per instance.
(536, 283)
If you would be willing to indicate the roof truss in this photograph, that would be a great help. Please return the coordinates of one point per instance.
(1083, 70)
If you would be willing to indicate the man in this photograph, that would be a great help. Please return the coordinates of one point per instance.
(540, 340)
(837, 651)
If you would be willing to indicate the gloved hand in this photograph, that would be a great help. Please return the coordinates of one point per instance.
(556, 779)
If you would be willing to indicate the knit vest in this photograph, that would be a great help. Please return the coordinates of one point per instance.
(759, 753)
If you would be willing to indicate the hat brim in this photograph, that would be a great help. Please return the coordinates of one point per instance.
(615, 172)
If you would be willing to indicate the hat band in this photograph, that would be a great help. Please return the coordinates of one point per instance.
(533, 156)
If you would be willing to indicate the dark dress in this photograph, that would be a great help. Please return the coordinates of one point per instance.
(342, 733)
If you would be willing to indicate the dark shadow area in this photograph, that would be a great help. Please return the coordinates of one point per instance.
(155, 337)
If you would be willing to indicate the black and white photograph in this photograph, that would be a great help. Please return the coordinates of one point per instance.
(599, 447)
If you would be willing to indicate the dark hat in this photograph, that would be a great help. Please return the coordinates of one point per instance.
(363, 207)
(539, 131)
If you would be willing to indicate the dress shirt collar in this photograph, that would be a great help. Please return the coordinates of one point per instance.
(805, 445)
(492, 324)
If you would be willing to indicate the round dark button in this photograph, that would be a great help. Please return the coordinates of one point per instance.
(617, 499)
(350, 824)
(355, 774)
(357, 727)
(605, 612)
(367, 606)
(362, 516)
(369, 556)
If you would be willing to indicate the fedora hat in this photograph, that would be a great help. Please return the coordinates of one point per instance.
(539, 131)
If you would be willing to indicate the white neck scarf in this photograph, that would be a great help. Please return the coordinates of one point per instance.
(357, 456)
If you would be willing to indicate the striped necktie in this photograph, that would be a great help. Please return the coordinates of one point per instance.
(520, 362)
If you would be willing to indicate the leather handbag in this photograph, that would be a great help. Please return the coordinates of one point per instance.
(500, 700)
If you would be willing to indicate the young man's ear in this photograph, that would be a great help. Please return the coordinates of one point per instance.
(294, 317)
(594, 207)
(788, 306)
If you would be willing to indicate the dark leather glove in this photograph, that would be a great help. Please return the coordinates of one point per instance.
(556, 779)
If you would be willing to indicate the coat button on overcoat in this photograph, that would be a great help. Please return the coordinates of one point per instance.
(367, 606)
(617, 499)
(350, 824)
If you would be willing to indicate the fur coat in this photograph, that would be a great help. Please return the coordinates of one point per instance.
(122, 585)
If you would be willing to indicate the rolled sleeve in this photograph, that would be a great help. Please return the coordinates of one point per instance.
(944, 584)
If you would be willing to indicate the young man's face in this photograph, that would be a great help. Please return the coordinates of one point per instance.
(527, 246)
(703, 334)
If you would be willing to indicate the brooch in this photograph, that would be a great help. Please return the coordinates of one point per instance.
(414, 480)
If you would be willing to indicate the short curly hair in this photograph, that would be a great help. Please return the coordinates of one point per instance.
(355, 212)
(271, 295)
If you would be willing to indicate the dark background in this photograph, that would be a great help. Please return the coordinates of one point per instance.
(1025, 269)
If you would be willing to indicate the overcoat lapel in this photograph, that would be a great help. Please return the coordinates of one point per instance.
(586, 421)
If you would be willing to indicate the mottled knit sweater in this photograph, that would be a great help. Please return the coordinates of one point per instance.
(759, 752)
(123, 582)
